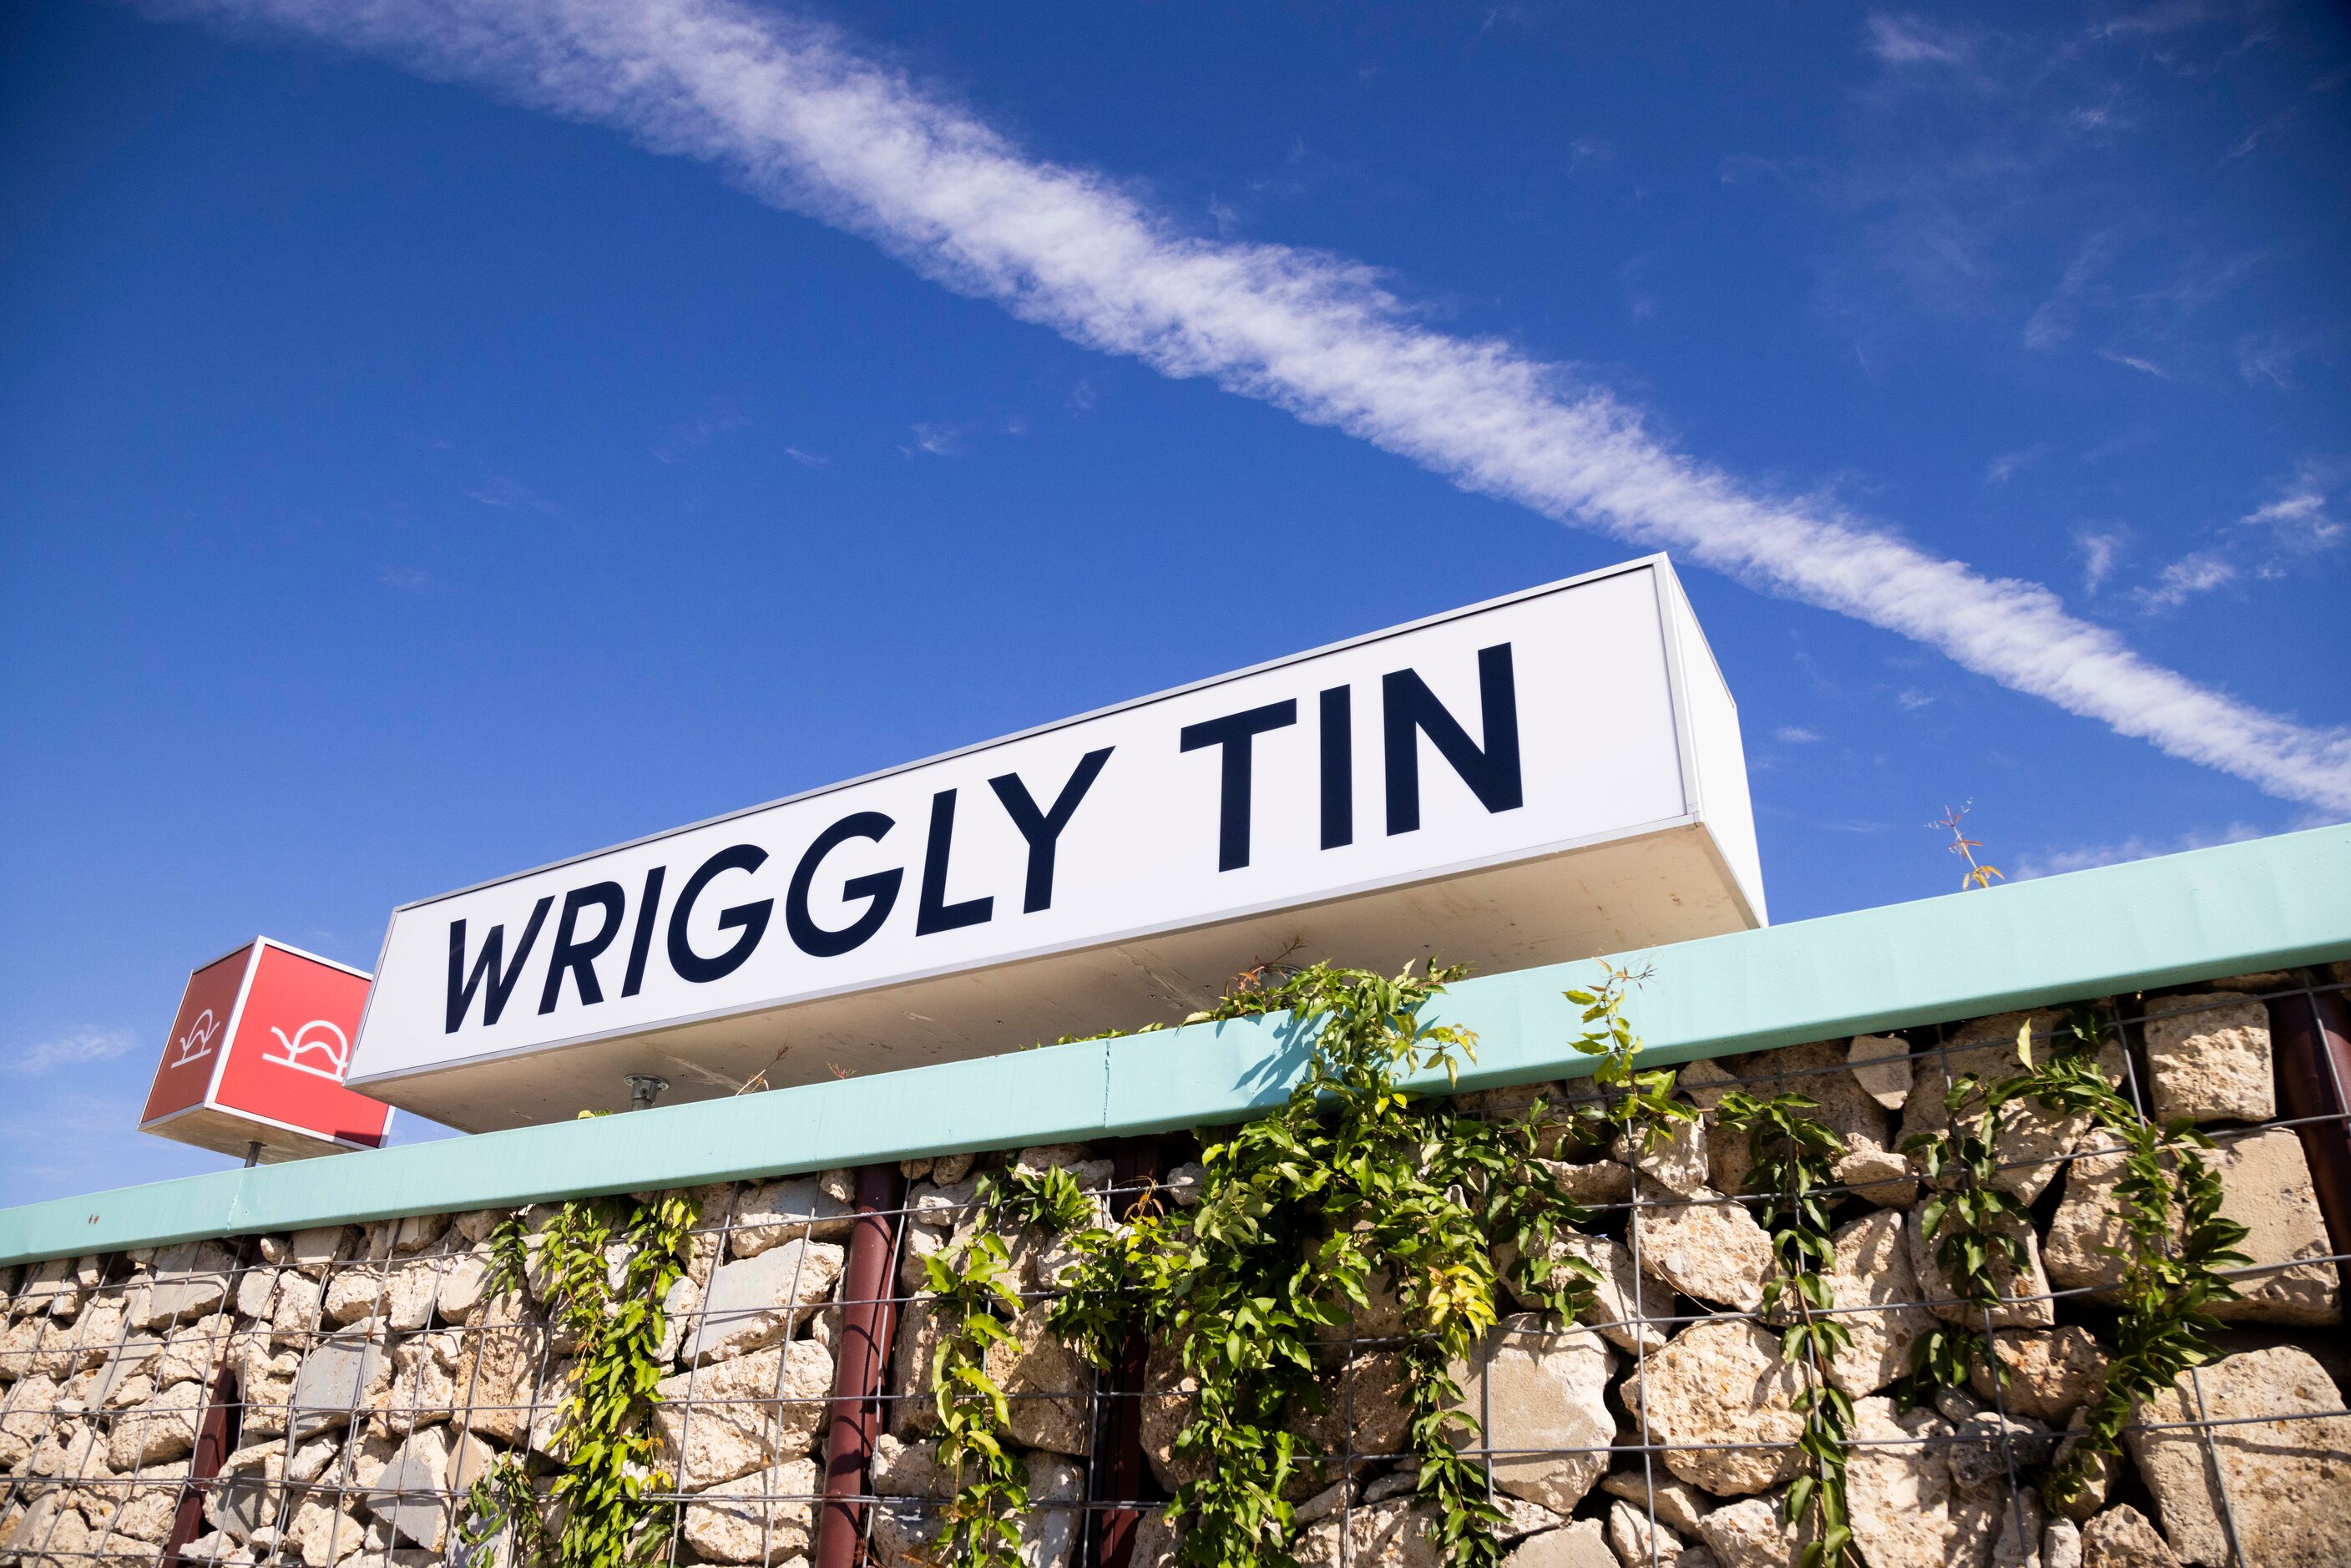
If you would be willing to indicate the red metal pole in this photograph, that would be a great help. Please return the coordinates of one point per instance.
(211, 1447)
(2313, 1033)
(862, 1355)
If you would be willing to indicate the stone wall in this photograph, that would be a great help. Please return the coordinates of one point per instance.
(373, 1376)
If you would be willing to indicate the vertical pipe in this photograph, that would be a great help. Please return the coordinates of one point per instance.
(859, 1360)
(1118, 1467)
(211, 1447)
(2313, 1035)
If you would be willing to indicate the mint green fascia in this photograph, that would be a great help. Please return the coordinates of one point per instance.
(2270, 904)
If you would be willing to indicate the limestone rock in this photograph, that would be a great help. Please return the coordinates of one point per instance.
(2033, 1143)
(163, 1428)
(27, 1408)
(1398, 1533)
(1722, 1382)
(2046, 1375)
(345, 1374)
(2265, 1187)
(317, 1247)
(1881, 1065)
(1621, 1297)
(191, 1352)
(2122, 1538)
(465, 1286)
(1637, 1542)
(1365, 1416)
(1751, 1534)
(2024, 1293)
(909, 1470)
(1877, 1175)
(424, 1381)
(1540, 1393)
(1049, 1535)
(763, 1518)
(1873, 1271)
(250, 1492)
(921, 1328)
(2207, 1057)
(747, 1413)
(1908, 1510)
(498, 1367)
(1704, 1083)
(1709, 1248)
(1582, 1544)
(752, 1302)
(410, 1494)
(149, 1504)
(1048, 1388)
(1680, 1505)
(190, 1280)
(941, 1205)
(1594, 1184)
(1167, 1391)
(796, 1209)
(1675, 1156)
(2060, 1544)
(2288, 1479)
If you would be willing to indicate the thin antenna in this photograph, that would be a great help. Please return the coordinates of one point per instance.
(1979, 874)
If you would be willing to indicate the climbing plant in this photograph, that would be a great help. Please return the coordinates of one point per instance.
(1353, 1186)
(1794, 1153)
(2177, 1244)
(975, 1285)
(612, 1312)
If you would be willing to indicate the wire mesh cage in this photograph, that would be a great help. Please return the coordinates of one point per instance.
(335, 1397)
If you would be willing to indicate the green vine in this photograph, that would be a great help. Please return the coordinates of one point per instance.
(1352, 1179)
(605, 1430)
(2170, 1203)
(2167, 1200)
(1794, 1154)
(973, 1285)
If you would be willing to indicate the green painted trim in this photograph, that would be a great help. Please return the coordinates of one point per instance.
(2271, 903)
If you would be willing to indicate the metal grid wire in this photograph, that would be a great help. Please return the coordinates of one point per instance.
(355, 1382)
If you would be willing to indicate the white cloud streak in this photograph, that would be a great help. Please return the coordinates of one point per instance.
(801, 120)
(79, 1048)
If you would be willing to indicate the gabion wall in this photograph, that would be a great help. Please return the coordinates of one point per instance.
(367, 1376)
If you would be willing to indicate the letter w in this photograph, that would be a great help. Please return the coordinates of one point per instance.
(502, 976)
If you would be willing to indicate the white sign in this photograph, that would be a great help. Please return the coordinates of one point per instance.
(1514, 732)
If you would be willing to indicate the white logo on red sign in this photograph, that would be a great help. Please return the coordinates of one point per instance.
(318, 1048)
(197, 1044)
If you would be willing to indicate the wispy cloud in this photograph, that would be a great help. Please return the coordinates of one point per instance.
(407, 578)
(2143, 367)
(1796, 735)
(2008, 464)
(2099, 553)
(1914, 41)
(800, 119)
(806, 459)
(2298, 519)
(2082, 857)
(506, 494)
(77, 1048)
(689, 436)
(2052, 323)
(2183, 579)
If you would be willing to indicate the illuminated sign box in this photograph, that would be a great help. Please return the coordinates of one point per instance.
(258, 1055)
(1538, 779)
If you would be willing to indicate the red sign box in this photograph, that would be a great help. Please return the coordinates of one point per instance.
(258, 1055)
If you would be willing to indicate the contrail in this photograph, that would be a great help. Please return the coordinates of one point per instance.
(793, 113)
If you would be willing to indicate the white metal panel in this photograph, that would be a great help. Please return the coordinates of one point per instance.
(1602, 737)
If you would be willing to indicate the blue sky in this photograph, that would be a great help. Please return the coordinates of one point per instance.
(429, 447)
